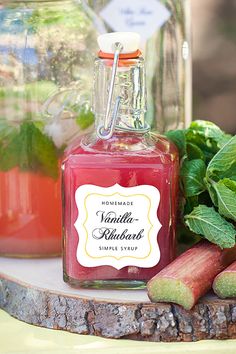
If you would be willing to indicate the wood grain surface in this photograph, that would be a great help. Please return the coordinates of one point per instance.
(33, 291)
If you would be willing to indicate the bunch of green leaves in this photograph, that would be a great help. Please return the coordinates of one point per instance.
(208, 181)
(28, 148)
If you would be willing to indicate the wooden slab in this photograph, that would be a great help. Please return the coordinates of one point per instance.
(33, 291)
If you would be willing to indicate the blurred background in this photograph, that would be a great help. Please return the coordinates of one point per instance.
(214, 61)
(214, 56)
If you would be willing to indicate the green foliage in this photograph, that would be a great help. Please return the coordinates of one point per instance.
(206, 221)
(226, 197)
(224, 162)
(8, 142)
(26, 145)
(194, 152)
(29, 149)
(179, 139)
(208, 181)
(192, 174)
(85, 117)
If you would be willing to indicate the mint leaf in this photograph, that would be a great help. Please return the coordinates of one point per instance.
(211, 192)
(226, 198)
(6, 131)
(29, 149)
(210, 130)
(192, 175)
(223, 162)
(85, 117)
(207, 222)
(8, 156)
(224, 139)
(206, 128)
(23, 147)
(178, 138)
(190, 203)
(229, 183)
(194, 152)
(208, 146)
(44, 152)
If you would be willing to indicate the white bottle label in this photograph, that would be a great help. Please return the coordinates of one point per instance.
(142, 16)
(118, 226)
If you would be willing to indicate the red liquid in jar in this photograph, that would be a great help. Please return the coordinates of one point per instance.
(30, 214)
(127, 160)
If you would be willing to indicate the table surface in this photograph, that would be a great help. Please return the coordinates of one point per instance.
(49, 277)
(17, 337)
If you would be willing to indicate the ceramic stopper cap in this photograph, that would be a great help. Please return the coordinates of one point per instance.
(129, 40)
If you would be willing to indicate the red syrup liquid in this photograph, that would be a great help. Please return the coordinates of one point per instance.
(128, 160)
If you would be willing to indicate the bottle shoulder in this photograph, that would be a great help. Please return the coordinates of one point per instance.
(146, 146)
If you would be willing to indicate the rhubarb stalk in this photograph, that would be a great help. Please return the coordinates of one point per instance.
(225, 283)
(190, 275)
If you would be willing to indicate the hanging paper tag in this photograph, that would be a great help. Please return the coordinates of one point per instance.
(142, 16)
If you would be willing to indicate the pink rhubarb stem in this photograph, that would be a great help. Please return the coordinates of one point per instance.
(191, 275)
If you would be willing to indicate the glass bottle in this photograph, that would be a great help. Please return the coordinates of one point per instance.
(165, 29)
(120, 182)
(45, 65)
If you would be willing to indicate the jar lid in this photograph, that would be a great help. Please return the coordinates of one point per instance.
(130, 42)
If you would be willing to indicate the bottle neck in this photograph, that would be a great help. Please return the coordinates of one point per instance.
(129, 87)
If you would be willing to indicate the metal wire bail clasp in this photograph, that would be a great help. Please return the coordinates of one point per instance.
(105, 131)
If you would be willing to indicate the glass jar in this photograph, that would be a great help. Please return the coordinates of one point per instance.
(46, 63)
(120, 182)
(164, 26)
(170, 70)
